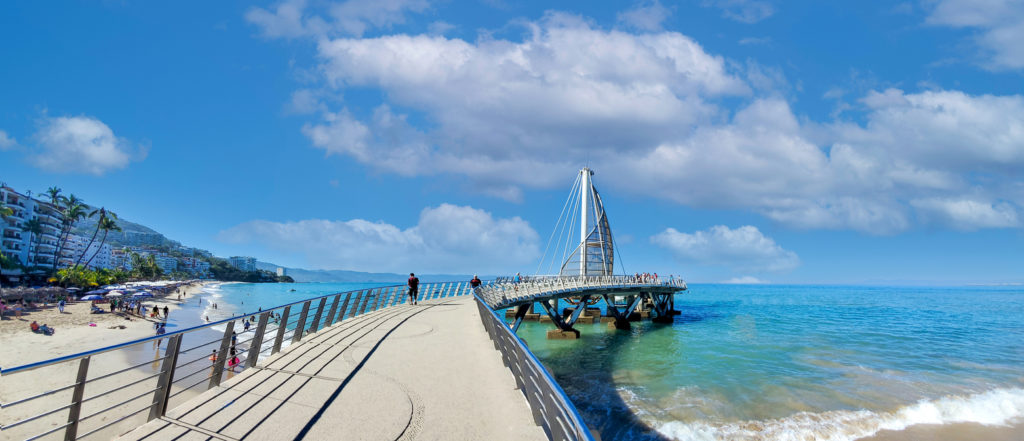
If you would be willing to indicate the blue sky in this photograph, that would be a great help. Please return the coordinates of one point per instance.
(789, 142)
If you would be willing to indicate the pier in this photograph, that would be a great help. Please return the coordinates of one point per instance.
(363, 364)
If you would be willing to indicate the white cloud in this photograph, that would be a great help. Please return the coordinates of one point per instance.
(744, 11)
(81, 144)
(1000, 25)
(746, 280)
(967, 214)
(646, 16)
(447, 238)
(743, 248)
(6, 142)
(500, 107)
(646, 111)
(296, 18)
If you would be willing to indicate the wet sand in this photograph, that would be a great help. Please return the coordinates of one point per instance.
(952, 432)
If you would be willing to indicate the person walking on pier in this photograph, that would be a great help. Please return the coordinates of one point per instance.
(475, 283)
(414, 289)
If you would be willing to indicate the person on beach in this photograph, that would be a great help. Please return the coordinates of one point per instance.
(234, 338)
(60, 306)
(160, 331)
(246, 326)
(166, 312)
(414, 289)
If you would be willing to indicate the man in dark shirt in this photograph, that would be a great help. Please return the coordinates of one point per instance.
(414, 289)
(475, 282)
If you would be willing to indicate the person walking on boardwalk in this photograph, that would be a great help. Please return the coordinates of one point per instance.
(475, 283)
(414, 289)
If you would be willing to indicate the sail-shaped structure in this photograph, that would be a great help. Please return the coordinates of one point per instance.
(595, 253)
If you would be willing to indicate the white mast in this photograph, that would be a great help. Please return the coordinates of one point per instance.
(584, 195)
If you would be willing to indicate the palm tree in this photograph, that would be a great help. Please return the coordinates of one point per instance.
(36, 228)
(72, 210)
(55, 197)
(103, 213)
(106, 224)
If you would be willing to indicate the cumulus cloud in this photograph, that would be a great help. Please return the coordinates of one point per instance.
(500, 107)
(967, 214)
(646, 16)
(6, 142)
(447, 238)
(1000, 26)
(296, 18)
(744, 11)
(81, 144)
(658, 115)
(743, 248)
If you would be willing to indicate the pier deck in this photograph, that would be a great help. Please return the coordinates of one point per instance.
(406, 372)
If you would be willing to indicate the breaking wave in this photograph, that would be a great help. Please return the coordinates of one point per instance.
(995, 407)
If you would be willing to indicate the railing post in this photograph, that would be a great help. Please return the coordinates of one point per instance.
(163, 385)
(76, 400)
(282, 327)
(334, 308)
(300, 327)
(319, 313)
(257, 340)
(222, 355)
(344, 307)
(377, 299)
(445, 290)
(366, 299)
(458, 289)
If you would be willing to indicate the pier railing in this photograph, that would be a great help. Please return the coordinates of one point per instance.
(505, 292)
(102, 398)
(552, 408)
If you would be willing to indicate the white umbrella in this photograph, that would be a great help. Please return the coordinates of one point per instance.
(115, 294)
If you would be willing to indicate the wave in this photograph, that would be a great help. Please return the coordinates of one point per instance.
(993, 408)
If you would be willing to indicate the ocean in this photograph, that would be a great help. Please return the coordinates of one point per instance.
(769, 362)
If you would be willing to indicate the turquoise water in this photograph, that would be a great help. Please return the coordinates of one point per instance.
(774, 362)
(799, 362)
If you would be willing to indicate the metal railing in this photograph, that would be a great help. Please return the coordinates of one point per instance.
(505, 292)
(552, 408)
(192, 361)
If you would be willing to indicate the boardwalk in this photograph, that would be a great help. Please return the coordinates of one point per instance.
(406, 372)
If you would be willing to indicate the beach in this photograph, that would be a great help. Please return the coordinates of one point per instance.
(75, 333)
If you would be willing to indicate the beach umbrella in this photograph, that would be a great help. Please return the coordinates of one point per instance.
(97, 291)
(115, 294)
(91, 297)
(142, 294)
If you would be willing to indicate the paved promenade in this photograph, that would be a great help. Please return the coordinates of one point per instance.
(408, 372)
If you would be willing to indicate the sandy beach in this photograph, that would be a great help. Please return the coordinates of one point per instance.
(75, 333)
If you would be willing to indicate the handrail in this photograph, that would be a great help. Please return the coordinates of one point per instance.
(540, 395)
(530, 288)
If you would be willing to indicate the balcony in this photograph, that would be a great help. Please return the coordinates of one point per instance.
(12, 235)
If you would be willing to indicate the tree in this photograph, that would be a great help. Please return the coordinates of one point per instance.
(106, 224)
(103, 213)
(36, 228)
(5, 210)
(72, 210)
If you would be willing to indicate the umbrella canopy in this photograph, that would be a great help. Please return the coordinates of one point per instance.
(91, 297)
(115, 294)
(97, 291)
(143, 294)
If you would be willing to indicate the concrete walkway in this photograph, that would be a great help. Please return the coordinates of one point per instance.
(424, 372)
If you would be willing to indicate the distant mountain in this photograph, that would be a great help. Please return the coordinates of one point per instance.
(304, 275)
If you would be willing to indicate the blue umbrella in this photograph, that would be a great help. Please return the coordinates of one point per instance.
(91, 297)
(142, 294)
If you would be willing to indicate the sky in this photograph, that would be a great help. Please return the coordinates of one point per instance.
(761, 141)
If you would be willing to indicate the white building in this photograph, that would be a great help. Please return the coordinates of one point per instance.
(243, 263)
(16, 239)
(281, 272)
(75, 252)
(166, 263)
(196, 267)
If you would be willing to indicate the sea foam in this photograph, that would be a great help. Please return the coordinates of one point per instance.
(994, 408)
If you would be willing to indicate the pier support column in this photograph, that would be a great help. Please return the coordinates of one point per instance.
(564, 331)
(662, 308)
